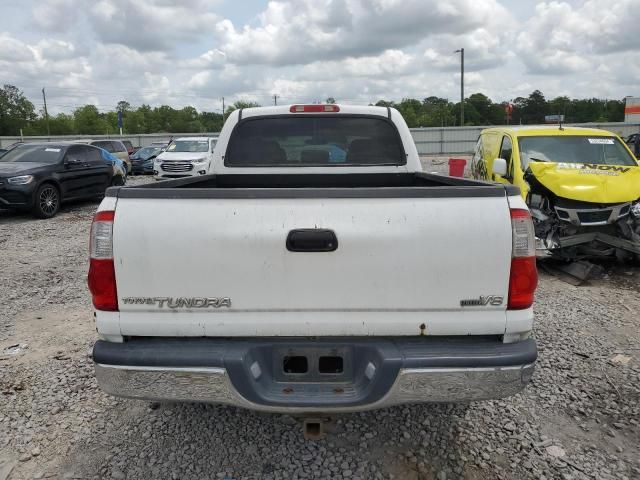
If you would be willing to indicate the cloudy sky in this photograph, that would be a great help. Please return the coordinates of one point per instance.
(193, 52)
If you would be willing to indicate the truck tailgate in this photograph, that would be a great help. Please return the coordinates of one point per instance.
(397, 269)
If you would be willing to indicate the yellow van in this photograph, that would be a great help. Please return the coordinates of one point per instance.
(581, 184)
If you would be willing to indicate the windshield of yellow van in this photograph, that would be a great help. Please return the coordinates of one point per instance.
(574, 149)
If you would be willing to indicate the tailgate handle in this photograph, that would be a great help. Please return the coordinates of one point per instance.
(312, 240)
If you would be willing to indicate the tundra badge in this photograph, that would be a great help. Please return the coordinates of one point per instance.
(179, 302)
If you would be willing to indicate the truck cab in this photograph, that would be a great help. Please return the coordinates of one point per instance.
(319, 139)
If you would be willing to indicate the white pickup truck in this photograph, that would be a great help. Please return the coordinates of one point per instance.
(315, 269)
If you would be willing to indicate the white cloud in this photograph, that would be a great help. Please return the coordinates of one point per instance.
(146, 25)
(210, 59)
(13, 50)
(56, 49)
(564, 38)
(610, 27)
(56, 15)
(358, 51)
(547, 43)
(297, 31)
(156, 86)
(389, 62)
(151, 24)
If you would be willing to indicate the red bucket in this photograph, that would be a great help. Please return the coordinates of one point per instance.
(456, 167)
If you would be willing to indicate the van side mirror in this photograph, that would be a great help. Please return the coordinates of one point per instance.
(500, 167)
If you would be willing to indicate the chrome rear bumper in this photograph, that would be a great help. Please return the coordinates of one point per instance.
(412, 385)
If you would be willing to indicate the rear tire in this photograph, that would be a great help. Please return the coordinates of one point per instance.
(46, 201)
(117, 181)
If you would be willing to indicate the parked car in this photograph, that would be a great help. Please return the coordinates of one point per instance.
(119, 168)
(288, 282)
(130, 148)
(185, 157)
(41, 176)
(9, 147)
(142, 160)
(115, 147)
(581, 184)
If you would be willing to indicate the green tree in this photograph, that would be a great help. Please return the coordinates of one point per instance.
(111, 121)
(62, 124)
(412, 111)
(123, 106)
(240, 104)
(148, 120)
(535, 108)
(211, 121)
(191, 120)
(615, 110)
(134, 122)
(16, 111)
(164, 118)
(89, 121)
(471, 114)
(481, 106)
(497, 114)
(559, 106)
(438, 112)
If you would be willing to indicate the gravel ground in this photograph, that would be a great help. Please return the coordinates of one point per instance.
(578, 419)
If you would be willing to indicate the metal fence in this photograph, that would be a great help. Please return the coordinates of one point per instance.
(450, 140)
(429, 141)
(141, 140)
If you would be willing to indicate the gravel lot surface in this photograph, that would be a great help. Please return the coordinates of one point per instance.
(580, 417)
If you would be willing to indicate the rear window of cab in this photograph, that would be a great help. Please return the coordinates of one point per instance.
(314, 141)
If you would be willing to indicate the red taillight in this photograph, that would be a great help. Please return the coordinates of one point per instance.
(523, 278)
(522, 282)
(102, 284)
(102, 275)
(314, 108)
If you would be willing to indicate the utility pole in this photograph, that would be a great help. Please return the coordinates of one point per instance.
(46, 113)
(275, 99)
(222, 109)
(461, 51)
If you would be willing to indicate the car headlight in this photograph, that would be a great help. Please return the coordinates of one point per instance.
(21, 180)
(199, 160)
